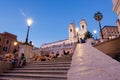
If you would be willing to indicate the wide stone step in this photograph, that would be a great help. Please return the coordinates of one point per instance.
(39, 71)
(66, 58)
(16, 78)
(43, 68)
(55, 65)
(46, 63)
(24, 75)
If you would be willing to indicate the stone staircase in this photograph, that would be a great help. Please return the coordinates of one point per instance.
(46, 70)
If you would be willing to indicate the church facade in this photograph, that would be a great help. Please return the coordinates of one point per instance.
(67, 45)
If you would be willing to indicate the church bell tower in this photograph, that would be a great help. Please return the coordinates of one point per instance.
(83, 25)
(72, 32)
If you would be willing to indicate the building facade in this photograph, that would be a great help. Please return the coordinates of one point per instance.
(57, 47)
(118, 25)
(7, 41)
(75, 34)
(110, 32)
(67, 45)
(116, 7)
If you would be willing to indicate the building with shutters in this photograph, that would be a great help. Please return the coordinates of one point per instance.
(7, 41)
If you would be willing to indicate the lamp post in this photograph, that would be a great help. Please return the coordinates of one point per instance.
(98, 16)
(95, 32)
(29, 22)
(77, 35)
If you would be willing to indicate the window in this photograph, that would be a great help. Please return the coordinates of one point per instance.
(4, 48)
(82, 26)
(70, 30)
(0, 39)
(7, 42)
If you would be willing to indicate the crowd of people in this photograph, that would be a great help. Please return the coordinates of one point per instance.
(48, 57)
(17, 61)
(51, 56)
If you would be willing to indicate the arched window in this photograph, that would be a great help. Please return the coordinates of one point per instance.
(70, 30)
(5, 49)
(7, 42)
(82, 26)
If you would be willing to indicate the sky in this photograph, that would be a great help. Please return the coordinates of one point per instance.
(52, 17)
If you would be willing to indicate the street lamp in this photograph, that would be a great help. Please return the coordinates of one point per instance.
(98, 16)
(15, 43)
(95, 32)
(15, 50)
(29, 22)
(77, 29)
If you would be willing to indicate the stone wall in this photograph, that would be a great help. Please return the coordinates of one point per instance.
(5, 66)
(111, 47)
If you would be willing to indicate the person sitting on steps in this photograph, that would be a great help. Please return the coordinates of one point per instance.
(21, 61)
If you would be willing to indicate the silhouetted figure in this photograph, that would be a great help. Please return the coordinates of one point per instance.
(66, 53)
(82, 40)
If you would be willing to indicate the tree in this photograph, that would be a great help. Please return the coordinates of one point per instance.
(98, 16)
(88, 35)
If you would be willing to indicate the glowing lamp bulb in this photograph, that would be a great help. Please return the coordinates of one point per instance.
(95, 31)
(77, 29)
(29, 21)
(15, 43)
